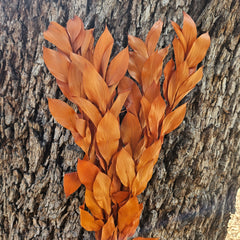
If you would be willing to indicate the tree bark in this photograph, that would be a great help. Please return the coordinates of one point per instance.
(195, 181)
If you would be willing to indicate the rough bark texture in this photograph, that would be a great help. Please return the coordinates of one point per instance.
(195, 181)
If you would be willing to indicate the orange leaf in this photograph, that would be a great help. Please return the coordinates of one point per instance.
(128, 213)
(94, 86)
(107, 141)
(75, 82)
(119, 102)
(88, 222)
(155, 115)
(143, 176)
(198, 50)
(189, 30)
(102, 52)
(178, 51)
(57, 35)
(101, 191)
(87, 173)
(74, 27)
(71, 183)
(135, 65)
(87, 45)
(153, 36)
(182, 73)
(56, 63)
(93, 205)
(152, 68)
(125, 168)
(117, 68)
(173, 120)
(149, 154)
(168, 71)
(131, 130)
(89, 109)
(120, 196)
(108, 229)
(145, 104)
(188, 85)
(180, 35)
(138, 46)
(62, 113)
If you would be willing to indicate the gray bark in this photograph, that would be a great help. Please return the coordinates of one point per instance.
(195, 181)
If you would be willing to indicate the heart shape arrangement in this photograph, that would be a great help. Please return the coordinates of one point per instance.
(121, 121)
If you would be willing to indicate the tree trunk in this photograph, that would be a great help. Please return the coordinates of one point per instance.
(193, 189)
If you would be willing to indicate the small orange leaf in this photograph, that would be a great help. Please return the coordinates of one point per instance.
(94, 86)
(153, 36)
(131, 130)
(102, 52)
(88, 222)
(71, 183)
(87, 173)
(57, 35)
(125, 168)
(178, 51)
(101, 191)
(108, 229)
(62, 113)
(138, 46)
(173, 120)
(117, 68)
(89, 109)
(128, 213)
(143, 176)
(93, 205)
(168, 71)
(180, 35)
(74, 27)
(119, 197)
(107, 141)
(56, 63)
(188, 85)
(189, 30)
(156, 113)
(198, 50)
(75, 82)
(87, 45)
(119, 102)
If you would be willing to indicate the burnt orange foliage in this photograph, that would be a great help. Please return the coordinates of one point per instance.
(120, 154)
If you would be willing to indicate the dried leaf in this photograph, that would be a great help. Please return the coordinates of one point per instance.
(188, 85)
(71, 183)
(94, 86)
(131, 130)
(74, 27)
(101, 192)
(93, 205)
(189, 30)
(88, 222)
(62, 113)
(57, 35)
(125, 168)
(168, 72)
(87, 173)
(102, 52)
(108, 229)
(153, 36)
(138, 46)
(178, 51)
(173, 120)
(117, 68)
(129, 213)
(108, 140)
(87, 45)
(179, 33)
(89, 109)
(56, 63)
(143, 176)
(155, 115)
(198, 50)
